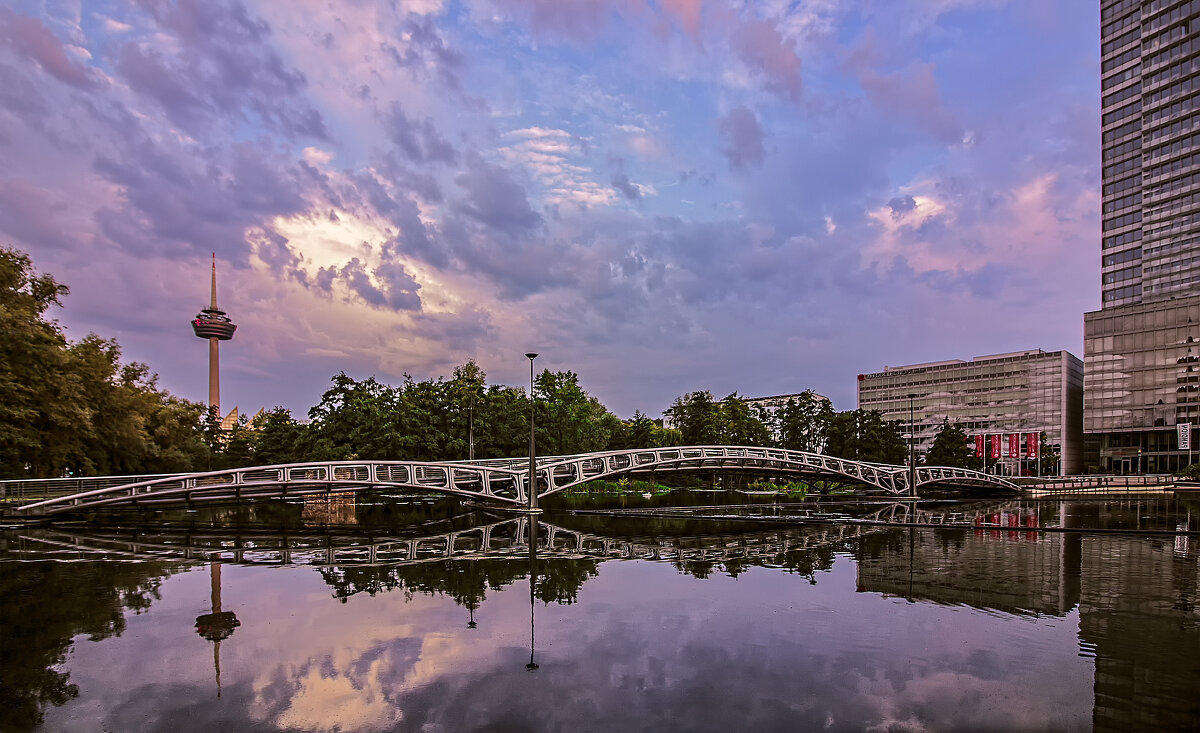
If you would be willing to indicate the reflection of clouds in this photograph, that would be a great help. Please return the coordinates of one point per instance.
(643, 648)
(335, 703)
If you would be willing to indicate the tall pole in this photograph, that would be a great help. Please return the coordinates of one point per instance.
(912, 448)
(533, 488)
(471, 429)
(214, 358)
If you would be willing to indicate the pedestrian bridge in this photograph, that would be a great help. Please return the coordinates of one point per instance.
(506, 481)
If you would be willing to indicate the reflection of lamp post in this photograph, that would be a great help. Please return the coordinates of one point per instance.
(533, 527)
(471, 428)
(532, 451)
(912, 448)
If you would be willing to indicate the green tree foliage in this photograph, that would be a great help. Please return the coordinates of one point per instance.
(801, 424)
(741, 424)
(863, 435)
(950, 448)
(74, 408)
(569, 420)
(697, 417)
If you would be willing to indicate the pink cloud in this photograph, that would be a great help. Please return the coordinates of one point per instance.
(29, 38)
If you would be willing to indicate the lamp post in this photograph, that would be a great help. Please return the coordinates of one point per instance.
(912, 448)
(532, 448)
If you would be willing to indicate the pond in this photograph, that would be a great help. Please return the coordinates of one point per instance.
(639, 614)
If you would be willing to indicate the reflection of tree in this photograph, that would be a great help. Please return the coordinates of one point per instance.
(45, 605)
(466, 581)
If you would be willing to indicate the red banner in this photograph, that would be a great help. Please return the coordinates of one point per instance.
(996, 446)
(1032, 445)
(1014, 445)
(979, 446)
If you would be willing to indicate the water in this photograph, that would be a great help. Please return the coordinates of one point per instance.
(350, 617)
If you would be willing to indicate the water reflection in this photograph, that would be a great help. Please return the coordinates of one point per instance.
(1010, 616)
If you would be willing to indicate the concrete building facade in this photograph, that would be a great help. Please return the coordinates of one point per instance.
(1016, 393)
(1150, 239)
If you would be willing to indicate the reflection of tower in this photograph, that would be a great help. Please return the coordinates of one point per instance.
(218, 625)
(212, 324)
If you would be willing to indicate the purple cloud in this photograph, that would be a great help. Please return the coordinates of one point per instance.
(742, 138)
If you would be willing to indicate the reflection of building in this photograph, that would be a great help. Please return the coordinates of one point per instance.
(1017, 393)
(1137, 347)
(1138, 610)
(212, 324)
(1008, 568)
(218, 625)
(333, 509)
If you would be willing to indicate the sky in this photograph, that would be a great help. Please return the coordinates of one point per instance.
(660, 195)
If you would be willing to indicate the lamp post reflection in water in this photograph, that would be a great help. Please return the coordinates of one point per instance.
(217, 625)
(533, 530)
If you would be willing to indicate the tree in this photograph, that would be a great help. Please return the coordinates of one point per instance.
(863, 435)
(279, 438)
(803, 422)
(950, 448)
(741, 425)
(697, 417)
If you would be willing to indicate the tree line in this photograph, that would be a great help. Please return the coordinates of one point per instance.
(73, 408)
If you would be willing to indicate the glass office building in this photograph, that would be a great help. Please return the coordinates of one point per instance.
(1150, 239)
(1006, 394)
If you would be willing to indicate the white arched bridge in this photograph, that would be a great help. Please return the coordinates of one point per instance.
(505, 481)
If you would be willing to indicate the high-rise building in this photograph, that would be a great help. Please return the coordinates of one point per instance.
(1139, 348)
(212, 324)
(1003, 398)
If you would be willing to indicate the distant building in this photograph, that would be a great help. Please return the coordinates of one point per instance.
(1002, 395)
(1141, 385)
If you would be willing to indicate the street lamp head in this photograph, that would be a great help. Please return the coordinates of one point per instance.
(913, 396)
(531, 356)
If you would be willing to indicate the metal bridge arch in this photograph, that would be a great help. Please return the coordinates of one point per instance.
(502, 481)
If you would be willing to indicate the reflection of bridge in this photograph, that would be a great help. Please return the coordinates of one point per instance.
(507, 539)
(504, 481)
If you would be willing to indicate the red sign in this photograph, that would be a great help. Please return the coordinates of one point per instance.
(995, 446)
(1031, 445)
(1014, 445)
(979, 446)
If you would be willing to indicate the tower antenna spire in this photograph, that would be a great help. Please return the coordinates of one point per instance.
(214, 281)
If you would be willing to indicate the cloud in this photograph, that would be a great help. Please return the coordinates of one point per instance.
(742, 138)
(769, 55)
(32, 40)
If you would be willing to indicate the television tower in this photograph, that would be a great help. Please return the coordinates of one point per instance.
(212, 324)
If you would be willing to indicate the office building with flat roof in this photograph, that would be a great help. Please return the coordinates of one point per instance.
(1138, 386)
(1012, 394)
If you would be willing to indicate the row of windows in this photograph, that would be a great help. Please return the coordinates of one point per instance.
(1178, 12)
(1167, 188)
(1122, 185)
(1119, 151)
(1121, 95)
(1172, 110)
(1120, 276)
(1173, 206)
(1120, 24)
(1129, 291)
(1177, 51)
(1124, 166)
(1127, 129)
(1172, 166)
(1175, 128)
(1174, 225)
(1117, 115)
(1173, 284)
(1173, 148)
(1161, 250)
(1172, 266)
(1118, 8)
(1120, 59)
(1125, 38)
(1170, 35)
(1124, 220)
(1121, 77)
(1168, 73)
(1117, 240)
(1183, 86)
(1122, 149)
(1129, 255)
(1133, 199)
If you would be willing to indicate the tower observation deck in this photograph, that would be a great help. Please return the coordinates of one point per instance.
(212, 324)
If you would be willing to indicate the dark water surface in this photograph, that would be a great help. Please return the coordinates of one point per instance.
(421, 616)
